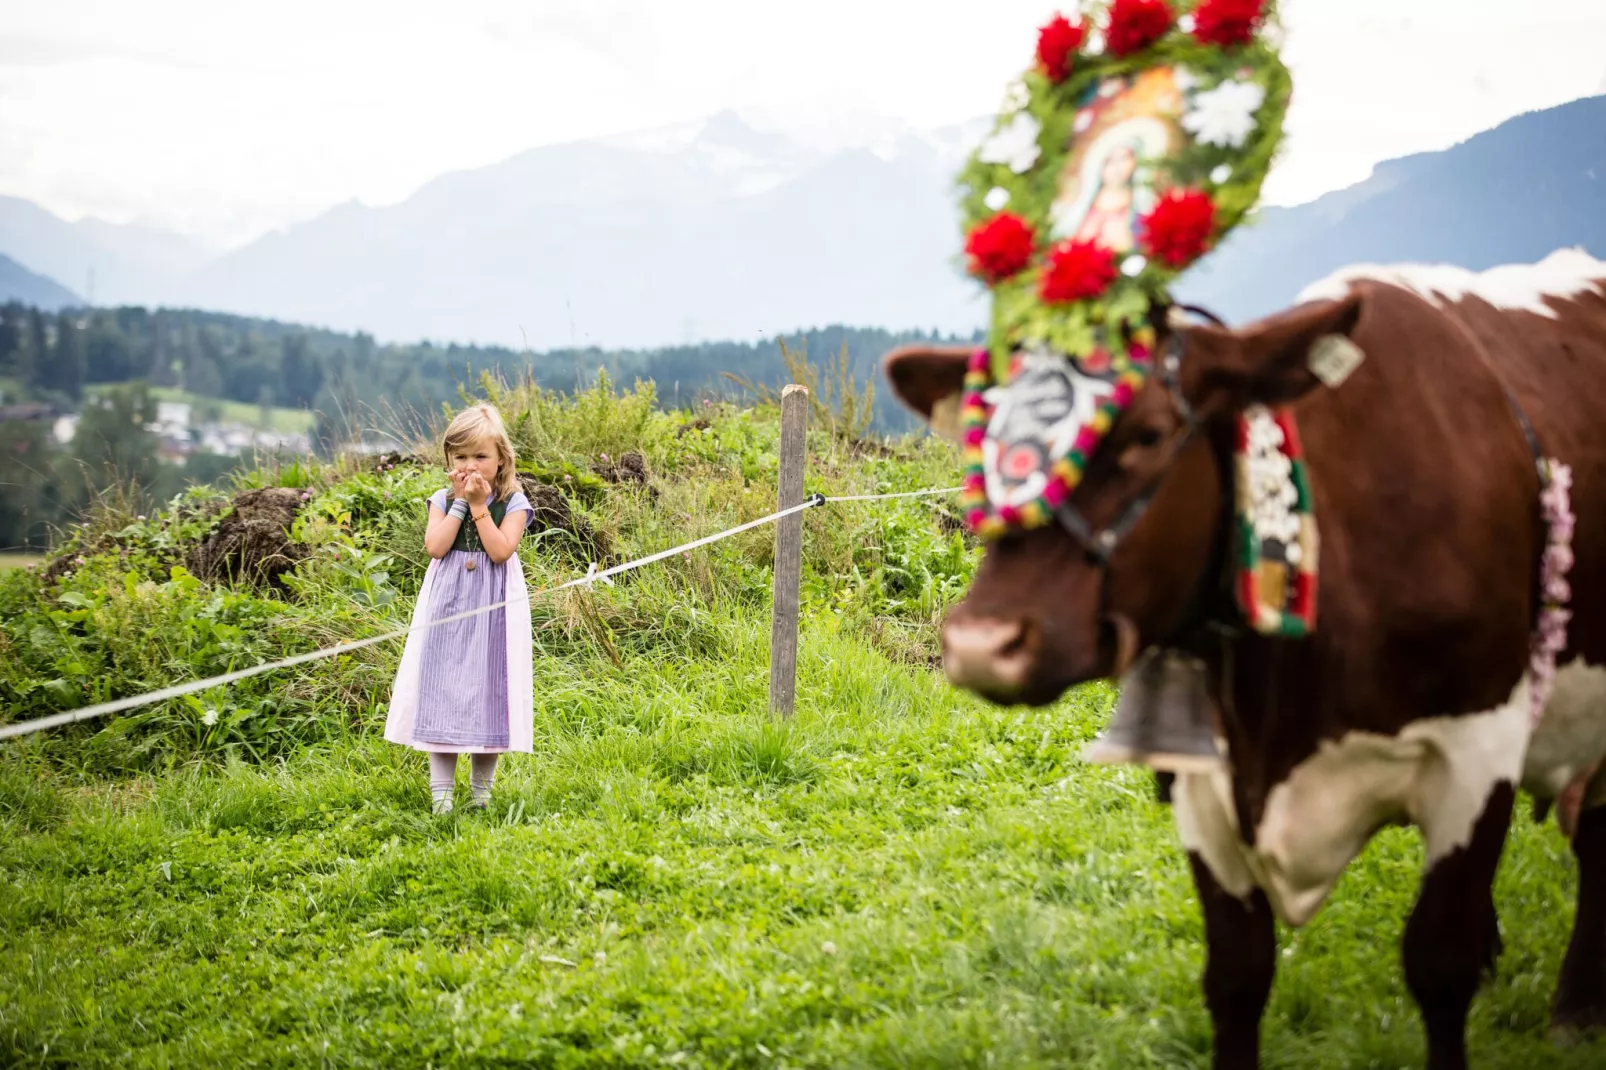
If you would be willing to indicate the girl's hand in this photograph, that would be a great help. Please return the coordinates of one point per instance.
(478, 490)
(459, 483)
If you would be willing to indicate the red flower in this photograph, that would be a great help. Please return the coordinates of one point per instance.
(1178, 230)
(1057, 42)
(1000, 247)
(1227, 22)
(1077, 270)
(1135, 25)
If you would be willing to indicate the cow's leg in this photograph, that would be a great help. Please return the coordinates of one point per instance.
(1240, 961)
(1451, 937)
(1580, 1001)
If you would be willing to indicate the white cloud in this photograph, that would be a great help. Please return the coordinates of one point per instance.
(192, 115)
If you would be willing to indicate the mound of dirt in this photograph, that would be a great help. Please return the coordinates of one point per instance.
(869, 447)
(396, 458)
(550, 512)
(631, 468)
(253, 543)
(694, 426)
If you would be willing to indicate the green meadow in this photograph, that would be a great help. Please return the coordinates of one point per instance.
(900, 875)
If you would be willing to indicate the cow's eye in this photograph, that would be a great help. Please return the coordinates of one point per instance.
(1149, 437)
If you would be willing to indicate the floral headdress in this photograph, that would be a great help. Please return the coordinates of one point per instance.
(1137, 139)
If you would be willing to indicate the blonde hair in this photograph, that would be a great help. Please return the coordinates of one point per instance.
(482, 423)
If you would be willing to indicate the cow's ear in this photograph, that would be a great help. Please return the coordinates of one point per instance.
(1280, 358)
(930, 380)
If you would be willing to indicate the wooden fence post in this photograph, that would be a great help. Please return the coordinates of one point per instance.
(788, 551)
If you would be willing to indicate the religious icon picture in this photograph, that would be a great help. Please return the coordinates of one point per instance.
(1123, 128)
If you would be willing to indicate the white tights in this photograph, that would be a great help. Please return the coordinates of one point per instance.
(443, 773)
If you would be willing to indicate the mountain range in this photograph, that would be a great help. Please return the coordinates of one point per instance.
(722, 230)
(1513, 194)
(17, 283)
(108, 263)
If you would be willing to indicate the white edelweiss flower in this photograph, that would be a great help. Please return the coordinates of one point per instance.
(1014, 145)
(1224, 115)
(996, 198)
(1016, 96)
(209, 718)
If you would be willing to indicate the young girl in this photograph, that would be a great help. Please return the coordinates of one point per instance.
(465, 686)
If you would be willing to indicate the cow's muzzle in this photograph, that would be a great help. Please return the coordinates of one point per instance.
(992, 657)
(1008, 660)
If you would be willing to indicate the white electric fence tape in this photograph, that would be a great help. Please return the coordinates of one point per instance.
(592, 575)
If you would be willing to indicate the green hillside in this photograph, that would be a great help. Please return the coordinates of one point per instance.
(899, 876)
(222, 410)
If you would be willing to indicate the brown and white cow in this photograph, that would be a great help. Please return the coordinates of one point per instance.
(1410, 702)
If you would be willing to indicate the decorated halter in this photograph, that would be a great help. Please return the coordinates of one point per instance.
(1135, 142)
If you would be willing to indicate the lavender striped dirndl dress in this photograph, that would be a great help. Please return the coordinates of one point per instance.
(461, 685)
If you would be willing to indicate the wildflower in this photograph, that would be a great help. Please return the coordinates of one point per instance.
(828, 947)
(140, 517)
(209, 718)
(80, 560)
(604, 458)
(306, 495)
(600, 958)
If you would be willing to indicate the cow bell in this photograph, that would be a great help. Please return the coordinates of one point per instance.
(1165, 718)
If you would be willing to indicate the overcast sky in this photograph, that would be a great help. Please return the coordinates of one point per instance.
(226, 119)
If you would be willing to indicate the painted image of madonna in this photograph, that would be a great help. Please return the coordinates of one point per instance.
(1126, 126)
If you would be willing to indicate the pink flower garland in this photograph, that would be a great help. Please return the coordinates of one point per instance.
(1550, 634)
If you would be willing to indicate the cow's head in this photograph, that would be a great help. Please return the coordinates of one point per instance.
(1050, 608)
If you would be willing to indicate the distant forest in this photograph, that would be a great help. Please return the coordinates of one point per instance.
(354, 385)
(53, 356)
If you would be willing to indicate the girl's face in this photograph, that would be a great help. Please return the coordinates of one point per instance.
(476, 456)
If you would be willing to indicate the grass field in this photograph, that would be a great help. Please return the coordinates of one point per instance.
(901, 876)
(279, 419)
(17, 560)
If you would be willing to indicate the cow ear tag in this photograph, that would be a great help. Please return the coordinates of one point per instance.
(1333, 358)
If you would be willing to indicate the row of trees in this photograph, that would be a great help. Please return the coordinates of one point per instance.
(350, 381)
(44, 486)
(53, 356)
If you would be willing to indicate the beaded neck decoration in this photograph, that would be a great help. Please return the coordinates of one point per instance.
(1139, 137)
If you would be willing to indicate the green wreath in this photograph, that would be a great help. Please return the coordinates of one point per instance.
(1135, 142)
